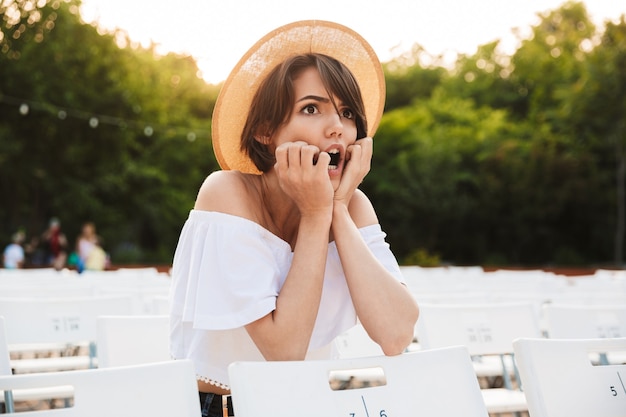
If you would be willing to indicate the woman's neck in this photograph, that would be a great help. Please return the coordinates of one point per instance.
(281, 214)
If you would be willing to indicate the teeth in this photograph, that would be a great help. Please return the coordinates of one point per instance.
(334, 158)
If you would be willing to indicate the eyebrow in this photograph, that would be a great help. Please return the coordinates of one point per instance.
(314, 97)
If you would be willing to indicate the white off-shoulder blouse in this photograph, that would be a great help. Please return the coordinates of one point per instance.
(227, 272)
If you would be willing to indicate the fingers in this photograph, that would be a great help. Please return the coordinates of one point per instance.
(303, 175)
(300, 155)
(358, 163)
(359, 157)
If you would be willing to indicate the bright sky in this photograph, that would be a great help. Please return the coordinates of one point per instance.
(218, 32)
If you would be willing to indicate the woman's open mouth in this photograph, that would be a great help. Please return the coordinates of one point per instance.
(335, 157)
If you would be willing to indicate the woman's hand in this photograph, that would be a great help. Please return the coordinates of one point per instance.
(358, 164)
(303, 175)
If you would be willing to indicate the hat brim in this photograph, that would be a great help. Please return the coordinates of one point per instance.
(307, 36)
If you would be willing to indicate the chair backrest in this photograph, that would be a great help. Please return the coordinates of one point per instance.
(355, 343)
(161, 389)
(436, 383)
(486, 329)
(561, 381)
(5, 362)
(584, 321)
(58, 320)
(132, 340)
(5, 367)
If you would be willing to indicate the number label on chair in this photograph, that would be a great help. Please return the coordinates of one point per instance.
(366, 412)
(607, 325)
(478, 327)
(614, 389)
(65, 324)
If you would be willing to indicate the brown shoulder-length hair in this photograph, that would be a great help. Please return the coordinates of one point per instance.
(272, 103)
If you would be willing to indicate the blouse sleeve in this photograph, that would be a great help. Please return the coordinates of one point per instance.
(226, 271)
(375, 239)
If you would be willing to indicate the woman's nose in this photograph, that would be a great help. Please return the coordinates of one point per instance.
(335, 126)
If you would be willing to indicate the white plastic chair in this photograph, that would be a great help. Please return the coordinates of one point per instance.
(587, 322)
(162, 389)
(5, 366)
(584, 321)
(10, 397)
(356, 343)
(488, 331)
(42, 323)
(561, 381)
(132, 340)
(436, 383)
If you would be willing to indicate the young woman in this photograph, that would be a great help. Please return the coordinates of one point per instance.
(282, 252)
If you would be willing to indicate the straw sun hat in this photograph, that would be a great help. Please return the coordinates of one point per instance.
(317, 36)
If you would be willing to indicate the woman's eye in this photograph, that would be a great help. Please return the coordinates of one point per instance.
(309, 109)
(347, 113)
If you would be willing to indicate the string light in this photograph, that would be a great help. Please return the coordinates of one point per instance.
(95, 120)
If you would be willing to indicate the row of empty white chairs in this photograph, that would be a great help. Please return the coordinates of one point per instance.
(130, 330)
(143, 285)
(40, 326)
(446, 284)
(53, 313)
(558, 376)
(476, 323)
(161, 389)
(488, 331)
(120, 341)
(559, 379)
(417, 383)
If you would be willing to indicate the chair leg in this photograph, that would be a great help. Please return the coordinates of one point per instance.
(8, 401)
(505, 374)
(93, 354)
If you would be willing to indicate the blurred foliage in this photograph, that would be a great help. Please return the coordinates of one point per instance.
(93, 129)
(500, 160)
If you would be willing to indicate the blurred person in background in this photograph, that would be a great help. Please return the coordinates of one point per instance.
(13, 255)
(54, 245)
(91, 256)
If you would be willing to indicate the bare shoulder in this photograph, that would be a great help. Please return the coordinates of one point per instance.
(361, 210)
(229, 192)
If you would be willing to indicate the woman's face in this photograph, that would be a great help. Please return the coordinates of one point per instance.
(316, 121)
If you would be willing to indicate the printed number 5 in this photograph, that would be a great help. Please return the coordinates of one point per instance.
(613, 391)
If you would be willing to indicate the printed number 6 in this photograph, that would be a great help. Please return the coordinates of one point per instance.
(383, 413)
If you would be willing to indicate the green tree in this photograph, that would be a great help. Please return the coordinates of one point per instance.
(596, 115)
(95, 130)
(424, 174)
(485, 78)
(408, 79)
(551, 61)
